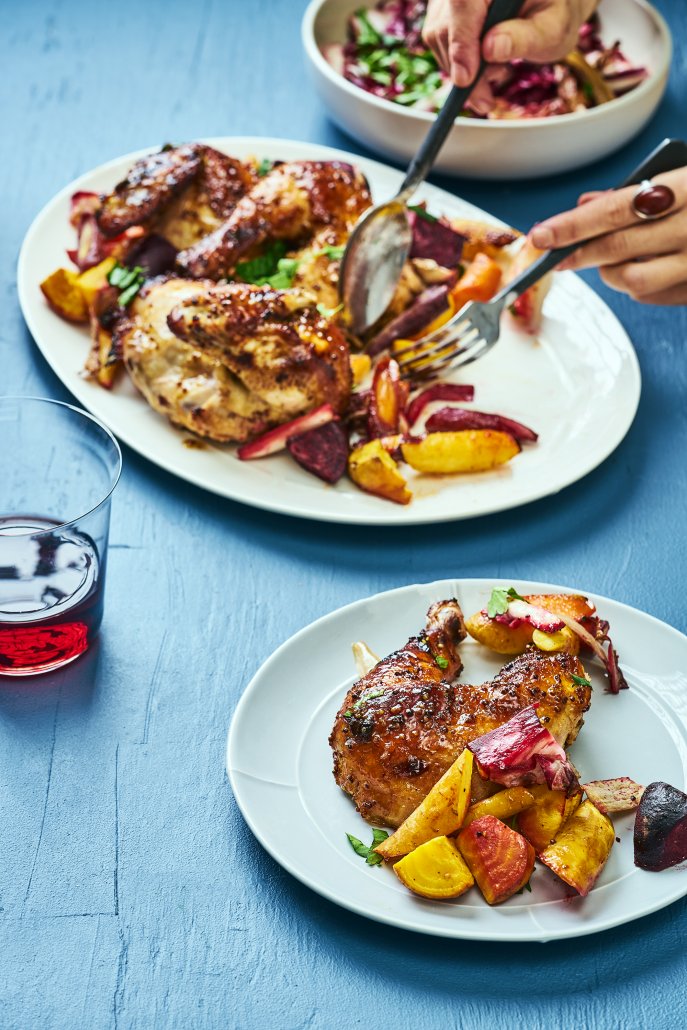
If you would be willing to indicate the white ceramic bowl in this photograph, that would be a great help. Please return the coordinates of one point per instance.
(517, 149)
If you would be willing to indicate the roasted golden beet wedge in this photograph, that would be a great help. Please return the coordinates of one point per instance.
(540, 823)
(581, 848)
(500, 859)
(466, 450)
(503, 805)
(435, 869)
(373, 469)
(442, 812)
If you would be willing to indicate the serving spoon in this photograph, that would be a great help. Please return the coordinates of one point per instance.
(380, 242)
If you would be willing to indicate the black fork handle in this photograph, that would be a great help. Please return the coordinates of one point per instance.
(668, 155)
(420, 166)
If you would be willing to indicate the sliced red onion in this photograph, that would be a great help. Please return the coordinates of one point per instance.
(431, 303)
(522, 752)
(540, 618)
(438, 392)
(276, 439)
(616, 679)
(450, 419)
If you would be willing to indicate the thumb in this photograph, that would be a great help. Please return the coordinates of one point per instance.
(543, 36)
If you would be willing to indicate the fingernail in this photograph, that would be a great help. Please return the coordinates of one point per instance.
(542, 237)
(500, 47)
(460, 75)
(480, 106)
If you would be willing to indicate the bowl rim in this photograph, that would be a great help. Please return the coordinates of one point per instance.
(656, 76)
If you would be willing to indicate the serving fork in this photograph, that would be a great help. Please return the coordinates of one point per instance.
(474, 330)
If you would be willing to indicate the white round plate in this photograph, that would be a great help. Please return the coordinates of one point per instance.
(577, 383)
(280, 766)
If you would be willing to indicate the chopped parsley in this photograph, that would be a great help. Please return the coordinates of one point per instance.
(329, 312)
(370, 856)
(335, 253)
(368, 35)
(441, 661)
(271, 268)
(580, 680)
(264, 167)
(128, 280)
(499, 600)
(422, 213)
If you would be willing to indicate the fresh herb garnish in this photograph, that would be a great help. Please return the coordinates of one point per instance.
(271, 268)
(128, 280)
(367, 697)
(441, 661)
(580, 680)
(368, 35)
(499, 600)
(264, 265)
(329, 312)
(335, 253)
(588, 90)
(422, 213)
(264, 167)
(370, 856)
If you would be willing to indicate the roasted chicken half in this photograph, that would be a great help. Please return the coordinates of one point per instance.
(228, 362)
(182, 193)
(404, 723)
(314, 201)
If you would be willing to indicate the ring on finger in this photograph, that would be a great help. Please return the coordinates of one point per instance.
(652, 200)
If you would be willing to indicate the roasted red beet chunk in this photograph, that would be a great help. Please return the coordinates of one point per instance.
(322, 451)
(660, 837)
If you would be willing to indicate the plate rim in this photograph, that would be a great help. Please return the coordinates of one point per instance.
(387, 515)
(388, 918)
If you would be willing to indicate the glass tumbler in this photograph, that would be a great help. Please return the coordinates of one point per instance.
(58, 469)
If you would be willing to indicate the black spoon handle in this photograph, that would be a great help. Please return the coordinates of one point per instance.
(420, 166)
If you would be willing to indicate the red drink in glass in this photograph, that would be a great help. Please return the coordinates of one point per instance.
(63, 464)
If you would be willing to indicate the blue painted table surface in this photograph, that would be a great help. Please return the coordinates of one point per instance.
(131, 892)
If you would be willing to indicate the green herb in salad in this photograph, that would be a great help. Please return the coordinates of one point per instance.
(271, 268)
(580, 680)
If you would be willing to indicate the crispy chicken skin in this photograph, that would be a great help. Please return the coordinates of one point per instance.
(228, 362)
(182, 193)
(407, 722)
(295, 201)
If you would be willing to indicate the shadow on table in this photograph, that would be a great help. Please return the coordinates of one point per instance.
(521, 971)
(75, 685)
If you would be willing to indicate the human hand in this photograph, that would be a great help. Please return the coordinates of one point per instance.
(645, 259)
(545, 31)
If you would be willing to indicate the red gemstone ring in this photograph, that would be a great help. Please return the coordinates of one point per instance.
(652, 200)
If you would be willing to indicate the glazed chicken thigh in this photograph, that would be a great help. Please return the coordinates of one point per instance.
(402, 725)
(182, 193)
(230, 361)
(296, 200)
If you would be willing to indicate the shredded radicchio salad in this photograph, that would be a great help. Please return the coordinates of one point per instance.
(386, 56)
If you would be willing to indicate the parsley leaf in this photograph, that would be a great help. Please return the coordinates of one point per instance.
(367, 697)
(128, 280)
(265, 166)
(367, 33)
(335, 253)
(422, 213)
(580, 680)
(441, 661)
(262, 266)
(329, 312)
(269, 269)
(498, 602)
(368, 853)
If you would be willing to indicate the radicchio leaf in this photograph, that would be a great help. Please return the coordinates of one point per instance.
(522, 752)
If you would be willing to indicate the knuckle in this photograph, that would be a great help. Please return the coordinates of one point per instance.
(634, 279)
